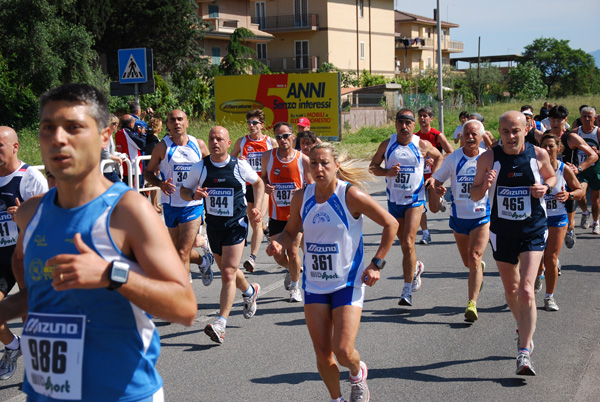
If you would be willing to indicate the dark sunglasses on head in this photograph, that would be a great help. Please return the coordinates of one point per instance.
(284, 136)
(253, 122)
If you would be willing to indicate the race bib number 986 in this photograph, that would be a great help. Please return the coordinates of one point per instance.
(52, 346)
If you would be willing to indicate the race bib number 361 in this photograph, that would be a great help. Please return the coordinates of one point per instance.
(52, 346)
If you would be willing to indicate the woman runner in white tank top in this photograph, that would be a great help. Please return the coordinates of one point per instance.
(334, 278)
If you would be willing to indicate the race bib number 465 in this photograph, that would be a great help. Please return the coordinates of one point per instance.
(52, 346)
(514, 203)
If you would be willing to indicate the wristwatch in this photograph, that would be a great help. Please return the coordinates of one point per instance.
(549, 188)
(571, 197)
(118, 273)
(580, 169)
(378, 262)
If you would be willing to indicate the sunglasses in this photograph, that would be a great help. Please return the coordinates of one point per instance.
(283, 136)
(253, 122)
(114, 124)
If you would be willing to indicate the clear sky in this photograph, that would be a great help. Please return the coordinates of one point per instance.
(507, 26)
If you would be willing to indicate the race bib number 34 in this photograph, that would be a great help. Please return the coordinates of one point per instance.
(52, 346)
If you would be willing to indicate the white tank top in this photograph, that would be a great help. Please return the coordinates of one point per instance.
(461, 169)
(333, 243)
(176, 164)
(553, 206)
(408, 186)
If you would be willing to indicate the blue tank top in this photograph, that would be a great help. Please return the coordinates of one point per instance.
(514, 209)
(91, 341)
(8, 228)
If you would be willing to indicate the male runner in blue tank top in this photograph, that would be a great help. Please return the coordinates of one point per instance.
(517, 175)
(93, 261)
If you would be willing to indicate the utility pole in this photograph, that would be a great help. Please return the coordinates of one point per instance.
(478, 77)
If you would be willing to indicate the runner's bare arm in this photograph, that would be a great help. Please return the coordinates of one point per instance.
(377, 160)
(484, 177)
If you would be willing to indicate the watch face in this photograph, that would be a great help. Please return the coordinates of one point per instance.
(119, 272)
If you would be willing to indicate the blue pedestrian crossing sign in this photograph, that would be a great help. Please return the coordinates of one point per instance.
(132, 66)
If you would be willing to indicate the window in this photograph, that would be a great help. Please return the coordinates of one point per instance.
(300, 13)
(216, 55)
(429, 62)
(361, 8)
(260, 14)
(301, 53)
(261, 51)
(362, 50)
(213, 11)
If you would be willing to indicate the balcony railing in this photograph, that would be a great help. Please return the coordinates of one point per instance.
(292, 64)
(430, 43)
(287, 22)
(217, 24)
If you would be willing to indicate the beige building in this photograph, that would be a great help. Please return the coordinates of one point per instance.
(296, 36)
(223, 18)
(350, 34)
(416, 42)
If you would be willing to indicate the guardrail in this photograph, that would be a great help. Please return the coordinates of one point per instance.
(135, 169)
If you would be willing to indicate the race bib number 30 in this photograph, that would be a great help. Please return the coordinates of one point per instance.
(52, 346)
(219, 202)
(464, 184)
(514, 203)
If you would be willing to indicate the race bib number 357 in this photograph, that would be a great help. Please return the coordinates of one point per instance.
(52, 346)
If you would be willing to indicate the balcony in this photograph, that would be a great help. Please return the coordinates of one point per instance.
(292, 64)
(451, 46)
(282, 23)
(454, 46)
(221, 25)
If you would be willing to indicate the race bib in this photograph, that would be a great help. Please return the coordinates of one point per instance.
(52, 346)
(180, 173)
(463, 184)
(283, 194)
(8, 230)
(321, 261)
(254, 159)
(514, 203)
(426, 167)
(219, 202)
(581, 156)
(403, 179)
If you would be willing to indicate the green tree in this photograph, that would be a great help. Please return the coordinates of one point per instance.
(239, 59)
(44, 48)
(170, 27)
(489, 79)
(525, 82)
(564, 70)
(19, 105)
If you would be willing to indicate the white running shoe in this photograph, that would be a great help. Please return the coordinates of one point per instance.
(585, 221)
(360, 390)
(295, 295)
(405, 298)
(216, 331)
(287, 281)
(596, 228)
(8, 363)
(250, 302)
(205, 270)
(416, 283)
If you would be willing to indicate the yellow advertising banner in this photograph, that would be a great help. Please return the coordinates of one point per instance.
(282, 97)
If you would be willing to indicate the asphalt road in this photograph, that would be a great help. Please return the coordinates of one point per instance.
(426, 352)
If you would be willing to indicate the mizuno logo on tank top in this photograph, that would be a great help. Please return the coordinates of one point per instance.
(322, 248)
